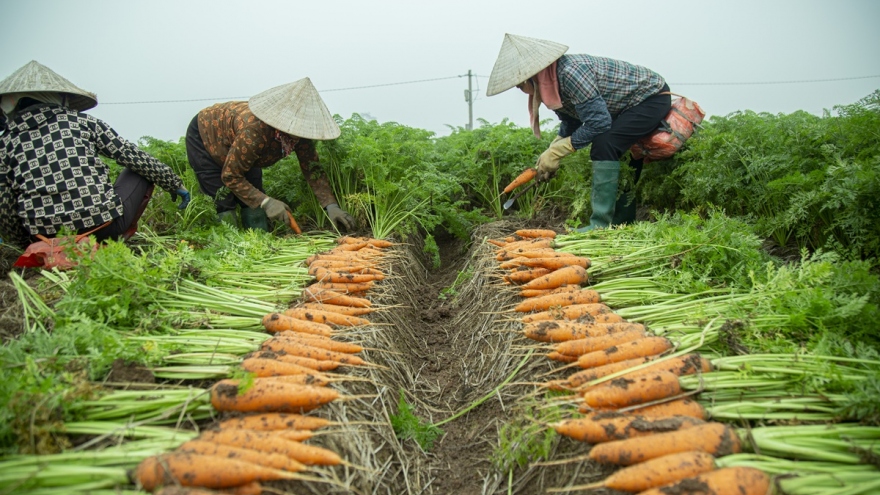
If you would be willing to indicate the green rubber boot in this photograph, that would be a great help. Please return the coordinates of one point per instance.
(228, 217)
(624, 213)
(254, 218)
(604, 194)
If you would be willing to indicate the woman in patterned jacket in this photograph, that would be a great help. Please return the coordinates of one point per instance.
(607, 103)
(229, 144)
(50, 174)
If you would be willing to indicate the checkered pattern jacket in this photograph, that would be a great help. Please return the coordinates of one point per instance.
(51, 175)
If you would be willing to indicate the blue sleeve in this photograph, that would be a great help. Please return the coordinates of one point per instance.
(595, 119)
(567, 125)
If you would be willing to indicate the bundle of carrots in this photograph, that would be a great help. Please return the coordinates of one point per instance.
(639, 416)
(264, 438)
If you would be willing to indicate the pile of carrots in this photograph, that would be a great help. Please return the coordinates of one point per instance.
(263, 438)
(638, 419)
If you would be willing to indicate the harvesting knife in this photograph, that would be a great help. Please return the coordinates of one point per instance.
(509, 202)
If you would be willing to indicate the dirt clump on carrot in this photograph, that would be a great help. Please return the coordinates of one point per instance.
(713, 438)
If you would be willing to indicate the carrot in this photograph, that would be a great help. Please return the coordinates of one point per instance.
(724, 481)
(624, 391)
(713, 438)
(325, 275)
(564, 330)
(644, 347)
(276, 349)
(555, 262)
(277, 322)
(351, 246)
(544, 303)
(269, 396)
(504, 255)
(686, 364)
(586, 345)
(263, 367)
(660, 471)
(564, 289)
(377, 243)
(535, 233)
(589, 312)
(527, 245)
(318, 341)
(568, 275)
(303, 349)
(582, 377)
(332, 297)
(524, 177)
(252, 488)
(556, 356)
(270, 442)
(524, 274)
(607, 426)
(275, 421)
(335, 308)
(345, 266)
(677, 407)
(275, 461)
(342, 288)
(201, 470)
(240, 436)
(496, 242)
(350, 256)
(325, 317)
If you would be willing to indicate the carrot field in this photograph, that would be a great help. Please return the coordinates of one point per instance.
(722, 344)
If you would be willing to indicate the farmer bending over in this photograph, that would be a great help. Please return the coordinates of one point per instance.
(229, 144)
(50, 173)
(606, 102)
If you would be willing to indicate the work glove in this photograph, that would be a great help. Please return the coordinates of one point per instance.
(275, 210)
(548, 162)
(340, 217)
(185, 197)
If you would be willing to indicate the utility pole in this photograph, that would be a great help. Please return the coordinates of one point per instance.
(469, 98)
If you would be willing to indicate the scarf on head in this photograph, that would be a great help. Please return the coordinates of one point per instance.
(9, 101)
(547, 92)
(287, 142)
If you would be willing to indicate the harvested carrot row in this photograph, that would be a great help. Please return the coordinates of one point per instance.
(607, 426)
(565, 330)
(201, 470)
(524, 177)
(713, 438)
(536, 233)
(335, 308)
(275, 461)
(270, 442)
(546, 292)
(252, 488)
(595, 312)
(318, 341)
(269, 396)
(586, 345)
(623, 391)
(524, 274)
(569, 275)
(277, 322)
(331, 297)
(325, 275)
(544, 303)
(724, 481)
(581, 378)
(275, 349)
(644, 347)
(275, 421)
(325, 317)
(342, 288)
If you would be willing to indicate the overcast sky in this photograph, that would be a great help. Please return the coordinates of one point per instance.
(214, 50)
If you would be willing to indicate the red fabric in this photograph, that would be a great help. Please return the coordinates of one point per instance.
(53, 253)
(676, 128)
(547, 92)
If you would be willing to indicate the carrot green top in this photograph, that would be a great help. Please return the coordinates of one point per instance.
(238, 141)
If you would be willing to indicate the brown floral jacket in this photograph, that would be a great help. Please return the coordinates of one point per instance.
(239, 141)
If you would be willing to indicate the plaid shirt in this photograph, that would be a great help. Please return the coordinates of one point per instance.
(238, 141)
(595, 90)
(51, 175)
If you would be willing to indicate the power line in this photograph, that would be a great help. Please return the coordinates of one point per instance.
(246, 97)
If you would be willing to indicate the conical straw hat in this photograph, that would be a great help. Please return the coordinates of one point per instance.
(35, 77)
(296, 109)
(519, 59)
